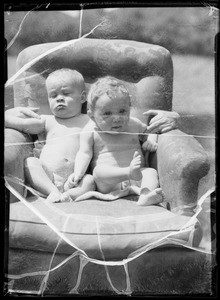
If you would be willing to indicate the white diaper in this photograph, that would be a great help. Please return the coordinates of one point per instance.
(129, 183)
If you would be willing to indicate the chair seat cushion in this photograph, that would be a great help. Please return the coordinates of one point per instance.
(98, 229)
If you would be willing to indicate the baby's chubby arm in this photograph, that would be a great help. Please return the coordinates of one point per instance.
(84, 155)
(24, 119)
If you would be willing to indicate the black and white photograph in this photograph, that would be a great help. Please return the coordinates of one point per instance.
(110, 175)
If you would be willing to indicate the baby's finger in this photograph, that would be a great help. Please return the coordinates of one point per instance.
(144, 147)
(71, 178)
(154, 148)
(150, 148)
(136, 154)
(75, 182)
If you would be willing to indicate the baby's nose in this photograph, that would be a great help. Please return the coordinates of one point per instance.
(116, 118)
(60, 99)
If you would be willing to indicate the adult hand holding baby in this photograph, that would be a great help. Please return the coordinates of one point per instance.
(25, 118)
(161, 121)
(24, 112)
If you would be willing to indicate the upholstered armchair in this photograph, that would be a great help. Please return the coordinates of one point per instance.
(96, 246)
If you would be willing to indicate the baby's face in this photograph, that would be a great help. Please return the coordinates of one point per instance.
(112, 114)
(65, 98)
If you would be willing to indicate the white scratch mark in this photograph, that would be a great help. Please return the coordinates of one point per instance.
(31, 76)
(129, 133)
(83, 263)
(45, 280)
(40, 215)
(80, 21)
(33, 61)
(212, 10)
(19, 29)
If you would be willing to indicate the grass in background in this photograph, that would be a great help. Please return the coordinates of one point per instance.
(194, 85)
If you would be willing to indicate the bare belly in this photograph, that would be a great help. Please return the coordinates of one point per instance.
(119, 158)
(58, 160)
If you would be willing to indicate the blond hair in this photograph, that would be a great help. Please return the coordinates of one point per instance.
(75, 75)
(106, 85)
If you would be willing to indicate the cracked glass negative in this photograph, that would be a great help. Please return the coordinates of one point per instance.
(106, 244)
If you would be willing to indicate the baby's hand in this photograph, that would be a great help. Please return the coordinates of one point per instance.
(38, 146)
(71, 182)
(150, 144)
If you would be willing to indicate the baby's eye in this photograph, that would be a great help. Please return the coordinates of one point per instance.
(52, 95)
(66, 93)
(107, 113)
(122, 111)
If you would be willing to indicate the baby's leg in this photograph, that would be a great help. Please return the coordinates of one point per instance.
(108, 177)
(39, 180)
(85, 185)
(150, 192)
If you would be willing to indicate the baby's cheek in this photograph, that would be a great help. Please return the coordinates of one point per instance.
(106, 122)
(126, 119)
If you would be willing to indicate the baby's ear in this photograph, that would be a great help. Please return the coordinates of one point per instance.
(83, 97)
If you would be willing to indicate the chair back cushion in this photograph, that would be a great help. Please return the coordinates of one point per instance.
(146, 70)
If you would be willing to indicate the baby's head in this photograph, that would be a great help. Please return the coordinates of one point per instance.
(66, 92)
(109, 104)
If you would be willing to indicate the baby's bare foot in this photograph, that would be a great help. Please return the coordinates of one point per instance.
(135, 167)
(151, 197)
(54, 197)
(65, 197)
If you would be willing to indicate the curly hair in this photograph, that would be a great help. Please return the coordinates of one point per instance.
(109, 85)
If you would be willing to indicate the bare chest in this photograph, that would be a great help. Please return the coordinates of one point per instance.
(116, 143)
(60, 133)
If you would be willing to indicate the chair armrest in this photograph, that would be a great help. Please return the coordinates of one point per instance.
(181, 163)
(18, 146)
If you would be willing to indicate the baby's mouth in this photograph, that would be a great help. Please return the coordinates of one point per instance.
(117, 127)
(60, 106)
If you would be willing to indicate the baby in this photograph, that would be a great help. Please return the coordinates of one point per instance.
(48, 174)
(111, 143)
